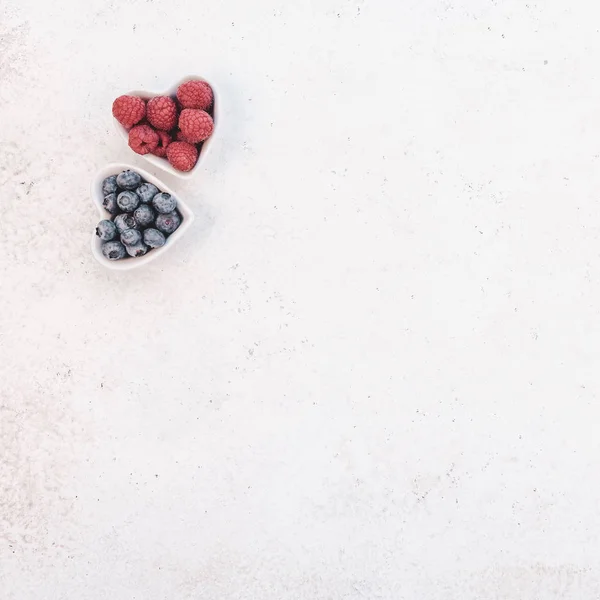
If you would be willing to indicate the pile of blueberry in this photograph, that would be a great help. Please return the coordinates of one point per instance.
(143, 217)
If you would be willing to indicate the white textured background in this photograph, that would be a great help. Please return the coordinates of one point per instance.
(371, 369)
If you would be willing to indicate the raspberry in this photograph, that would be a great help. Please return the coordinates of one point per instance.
(164, 139)
(143, 139)
(196, 125)
(195, 94)
(162, 112)
(128, 110)
(182, 156)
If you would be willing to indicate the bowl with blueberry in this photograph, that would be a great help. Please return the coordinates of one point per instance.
(141, 218)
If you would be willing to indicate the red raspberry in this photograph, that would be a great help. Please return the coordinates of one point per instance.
(143, 139)
(128, 110)
(196, 125)
(162, 112)
(182, 156)
(164, 139)
(195, 94)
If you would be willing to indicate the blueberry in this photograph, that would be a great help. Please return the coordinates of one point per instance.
(106, 230)
(128, 201)
(110, 204)
(109, 185)
(125, 221)
(128, 180)
(154, 238)
(168, 223)
(136, 250)
(131, 237)
(113, 250)
(144, 215)
(146, 192)
(164, 203)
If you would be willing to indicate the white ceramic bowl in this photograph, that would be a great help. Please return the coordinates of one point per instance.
(163, 163)
(125, 264)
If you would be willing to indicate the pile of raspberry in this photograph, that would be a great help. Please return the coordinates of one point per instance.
(172, 128)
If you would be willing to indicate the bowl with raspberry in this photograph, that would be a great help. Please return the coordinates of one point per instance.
(173, 130)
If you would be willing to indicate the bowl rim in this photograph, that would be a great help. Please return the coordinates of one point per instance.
(163, 163)
(187, 217)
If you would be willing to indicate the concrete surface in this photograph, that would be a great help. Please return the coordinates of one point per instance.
(371, 370)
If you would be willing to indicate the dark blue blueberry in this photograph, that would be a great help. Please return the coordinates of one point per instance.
(110, 204)
(136, 250)
(146, 192)
(114, 250)
(109, 185)
(125, 221)
(131, 237)
(128, 201)
(144, 215)
(164, 203)
(168, 223)
(154, 238)
(128, 180)
(106, 230)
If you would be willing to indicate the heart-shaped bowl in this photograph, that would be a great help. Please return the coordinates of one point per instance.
(125, 264)
(163, 163)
